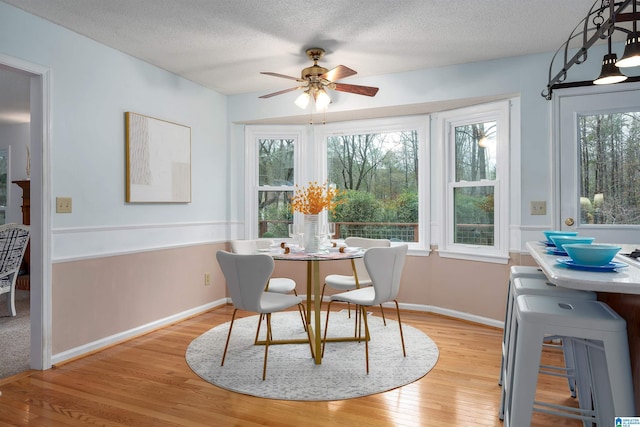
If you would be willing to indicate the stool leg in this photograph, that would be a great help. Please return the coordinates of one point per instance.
(618, 363)
(505, 333)
(524, 377)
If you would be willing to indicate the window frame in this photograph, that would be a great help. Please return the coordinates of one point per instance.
(310, 163)
(252, 135)
(446, 123)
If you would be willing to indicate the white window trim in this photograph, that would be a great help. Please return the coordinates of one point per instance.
(422, 125)
(252, 135)
(500, 112)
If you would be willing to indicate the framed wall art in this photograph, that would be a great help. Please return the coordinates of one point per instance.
(158, 160)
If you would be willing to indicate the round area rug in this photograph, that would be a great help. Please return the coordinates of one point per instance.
(291, 371)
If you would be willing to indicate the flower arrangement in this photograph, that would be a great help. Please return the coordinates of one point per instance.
(315, 198)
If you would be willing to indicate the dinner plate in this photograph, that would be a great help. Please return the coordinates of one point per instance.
(556, 251)
(607, 267)
(547, 243)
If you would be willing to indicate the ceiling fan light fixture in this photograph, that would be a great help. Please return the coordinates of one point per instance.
(322, 100)
(631, 56)
(303, 100)
(610, 73)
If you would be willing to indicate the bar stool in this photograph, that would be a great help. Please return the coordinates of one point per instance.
(532, 285)
(590, 323)
(515, 272)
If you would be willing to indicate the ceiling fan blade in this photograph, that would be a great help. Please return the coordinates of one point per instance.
(358, 90)
(298, 79)
(337, 73)
(291, 89)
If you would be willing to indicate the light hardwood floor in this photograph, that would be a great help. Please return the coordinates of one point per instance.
(146, 382)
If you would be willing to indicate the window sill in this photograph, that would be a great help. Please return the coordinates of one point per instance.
(492, 258)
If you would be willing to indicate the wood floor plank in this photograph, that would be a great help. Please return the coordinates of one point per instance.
(146, 382)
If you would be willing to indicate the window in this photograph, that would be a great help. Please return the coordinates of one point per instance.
(475, 143)
(382, 165)
(270, 174)
(609, 168)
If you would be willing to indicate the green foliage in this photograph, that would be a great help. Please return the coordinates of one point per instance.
(360, 206)
(404, 208)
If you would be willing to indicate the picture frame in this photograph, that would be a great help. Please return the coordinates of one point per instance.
(158, 160)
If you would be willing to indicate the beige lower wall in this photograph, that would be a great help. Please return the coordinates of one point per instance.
(99, 298)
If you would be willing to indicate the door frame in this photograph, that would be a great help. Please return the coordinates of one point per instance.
(578, 96)
(40, 274)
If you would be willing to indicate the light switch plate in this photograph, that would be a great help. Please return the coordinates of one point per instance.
(538, 208)
(63, 204)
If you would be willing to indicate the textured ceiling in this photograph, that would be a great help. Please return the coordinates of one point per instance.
(224, 44)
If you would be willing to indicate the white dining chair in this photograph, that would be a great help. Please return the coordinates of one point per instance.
(13, 244)
(280, 285)
(385, 266)
(360, 277)
(246, 277)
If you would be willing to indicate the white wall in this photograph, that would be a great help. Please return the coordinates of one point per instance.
(15, 138)
(92, 87)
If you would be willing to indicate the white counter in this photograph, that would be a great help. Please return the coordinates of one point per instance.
(624, 280)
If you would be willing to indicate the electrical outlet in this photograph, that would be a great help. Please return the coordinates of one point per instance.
(207, 279)
(63, 204)
(538, 208)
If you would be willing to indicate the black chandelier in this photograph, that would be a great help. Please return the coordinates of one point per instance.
(601, 22)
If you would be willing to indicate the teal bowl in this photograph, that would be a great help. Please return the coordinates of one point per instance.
(550, 233)
(593, 255)
(564, 240)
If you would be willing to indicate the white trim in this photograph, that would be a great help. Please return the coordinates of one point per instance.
(135, 332)
(82, 243)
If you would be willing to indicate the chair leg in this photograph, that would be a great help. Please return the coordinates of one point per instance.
(11, 300)
(326, 327)
(404, 352)
(363, 314)
(303, 317)
(384, 320)
(255, 341)
(224, 354)
(266, 346)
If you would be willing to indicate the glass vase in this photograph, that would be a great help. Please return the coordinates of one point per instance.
(311, 233)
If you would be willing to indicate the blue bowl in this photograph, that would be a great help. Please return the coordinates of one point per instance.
(550, 233)
(564, 240)
(593, 254)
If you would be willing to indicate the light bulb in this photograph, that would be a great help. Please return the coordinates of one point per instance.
(303, 100)
(322, 100)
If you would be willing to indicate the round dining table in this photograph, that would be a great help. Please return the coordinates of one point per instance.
(314, 303)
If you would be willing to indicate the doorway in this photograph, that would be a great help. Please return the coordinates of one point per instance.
(40, 274)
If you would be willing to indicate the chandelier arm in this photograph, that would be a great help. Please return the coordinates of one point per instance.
(602, 31)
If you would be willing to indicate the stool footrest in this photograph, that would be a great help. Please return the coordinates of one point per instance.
(565, 411)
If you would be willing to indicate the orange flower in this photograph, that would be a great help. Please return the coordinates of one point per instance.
(315, 198)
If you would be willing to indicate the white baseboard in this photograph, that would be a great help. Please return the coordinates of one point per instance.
(443, 311)
(131, 333)
(123, 336)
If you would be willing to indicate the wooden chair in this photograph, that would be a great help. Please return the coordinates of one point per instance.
(13, 243)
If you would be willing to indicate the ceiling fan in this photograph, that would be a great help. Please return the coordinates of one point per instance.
(316, 79)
